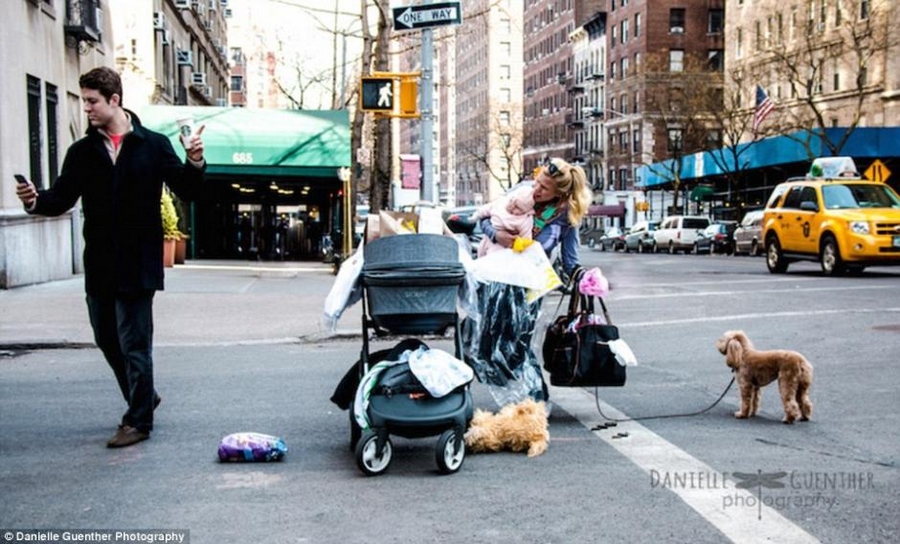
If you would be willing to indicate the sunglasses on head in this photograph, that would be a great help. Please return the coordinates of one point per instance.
(552, 169)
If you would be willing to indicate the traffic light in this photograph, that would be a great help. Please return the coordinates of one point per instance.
(409, 91)
(377, 94)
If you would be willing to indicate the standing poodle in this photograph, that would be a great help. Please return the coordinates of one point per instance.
(755, 369)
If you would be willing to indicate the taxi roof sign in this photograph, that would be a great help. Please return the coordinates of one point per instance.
(833, 167)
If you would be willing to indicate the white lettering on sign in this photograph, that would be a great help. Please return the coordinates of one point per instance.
(242, 158)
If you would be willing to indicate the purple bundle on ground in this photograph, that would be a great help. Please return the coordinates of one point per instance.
(252, 447)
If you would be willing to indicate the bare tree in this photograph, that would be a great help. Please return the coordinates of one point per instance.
(678, 102)
(499, 151)
(829, 69)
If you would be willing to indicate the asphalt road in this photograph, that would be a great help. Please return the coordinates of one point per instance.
(669, 480)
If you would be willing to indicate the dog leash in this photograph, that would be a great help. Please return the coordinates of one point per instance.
(664, 416)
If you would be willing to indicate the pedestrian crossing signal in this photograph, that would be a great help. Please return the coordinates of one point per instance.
(377, 94)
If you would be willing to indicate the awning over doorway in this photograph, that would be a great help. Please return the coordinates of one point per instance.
(607, 210)
(262, 142)
(701, 192)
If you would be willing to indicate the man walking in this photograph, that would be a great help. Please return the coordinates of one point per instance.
(118, 170)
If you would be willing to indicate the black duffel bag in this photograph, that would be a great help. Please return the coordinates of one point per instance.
(582, 357)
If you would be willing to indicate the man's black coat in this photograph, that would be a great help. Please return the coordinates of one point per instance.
(123, 236)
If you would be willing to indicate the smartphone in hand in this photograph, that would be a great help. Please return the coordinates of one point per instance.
(20, 179)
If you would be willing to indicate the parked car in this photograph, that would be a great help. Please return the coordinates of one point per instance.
(716, 238)
(748, 235)
(678, 233)
(640, 236)
(834, 217)
(613, 239)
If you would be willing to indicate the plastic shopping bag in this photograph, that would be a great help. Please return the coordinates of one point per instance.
(346, 290)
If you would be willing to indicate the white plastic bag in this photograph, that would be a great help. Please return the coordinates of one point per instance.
(346, 290)
(438, 371)
(530, 269)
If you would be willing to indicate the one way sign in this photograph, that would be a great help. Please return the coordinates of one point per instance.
(427, 15)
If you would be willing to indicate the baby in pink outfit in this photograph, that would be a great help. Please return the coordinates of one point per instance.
(513, 213)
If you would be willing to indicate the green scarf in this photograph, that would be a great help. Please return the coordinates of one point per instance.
(543, 216)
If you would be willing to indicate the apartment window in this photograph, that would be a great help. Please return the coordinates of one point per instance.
(676, 60)
(52, 132)
(504, 118)
(716, 60)
(506, 49)
(33, 87)
(838, 12)
(759, 36)
(716, 21)
(637, 100)
(792, 33)
(863, 9)
(862, 78)
(623, 143)
(623, 106)
(676, 20)
(739, 44)
(675, 140)
(637, 25)
(623, 178)
(837, 81)
(505, 95)
(613, 36)
(637, 60)
(624, 30)
(636, 140)
(504, 71)
(624, 67)
(237, 83)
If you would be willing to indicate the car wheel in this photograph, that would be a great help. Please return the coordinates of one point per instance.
(774, 257)
(592, 243)
(830, 258)
(754, 249)
(640, 248)
(671, 248)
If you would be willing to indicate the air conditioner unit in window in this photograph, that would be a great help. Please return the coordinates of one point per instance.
(223, 3)
(159, 20)
(184, 58)
(213, 5)
(228, 13)
(166, 39)
(198, 78)
(183, 4)
(677, 30)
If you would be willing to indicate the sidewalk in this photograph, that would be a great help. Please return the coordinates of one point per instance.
(205, 302)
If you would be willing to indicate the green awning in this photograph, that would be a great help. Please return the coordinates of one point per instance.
(701, 192)
(262, 142)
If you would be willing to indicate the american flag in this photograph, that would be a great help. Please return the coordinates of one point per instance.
(764, 107)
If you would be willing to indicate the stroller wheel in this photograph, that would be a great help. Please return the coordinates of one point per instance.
(451, 452)
(367, 457)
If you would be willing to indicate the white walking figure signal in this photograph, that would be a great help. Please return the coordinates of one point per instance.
(384, 96)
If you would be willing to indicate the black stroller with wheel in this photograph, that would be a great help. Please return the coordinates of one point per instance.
(410, 287)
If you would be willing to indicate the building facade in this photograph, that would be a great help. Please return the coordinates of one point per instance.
(45, 45)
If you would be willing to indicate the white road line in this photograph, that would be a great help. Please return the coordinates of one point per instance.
(254, 268)
(755, 292)
(745, 521)
(762, 315)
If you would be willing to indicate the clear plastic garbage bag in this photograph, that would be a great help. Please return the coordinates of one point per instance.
(498, 343)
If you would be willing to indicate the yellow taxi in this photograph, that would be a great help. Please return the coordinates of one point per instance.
(832, 216)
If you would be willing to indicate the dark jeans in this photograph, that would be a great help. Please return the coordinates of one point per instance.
(123, 330)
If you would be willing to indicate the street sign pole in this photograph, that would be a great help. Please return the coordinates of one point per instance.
(426, 107)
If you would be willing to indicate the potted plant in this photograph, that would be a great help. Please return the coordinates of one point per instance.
(171, 234)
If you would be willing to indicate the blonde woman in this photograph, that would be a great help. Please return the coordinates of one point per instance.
(498, 339)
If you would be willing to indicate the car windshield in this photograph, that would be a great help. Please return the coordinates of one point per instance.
(843, 196)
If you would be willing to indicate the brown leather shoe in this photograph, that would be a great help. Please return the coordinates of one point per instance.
(127, 436)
